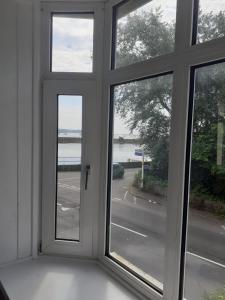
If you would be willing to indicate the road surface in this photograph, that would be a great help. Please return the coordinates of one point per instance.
(138, 231)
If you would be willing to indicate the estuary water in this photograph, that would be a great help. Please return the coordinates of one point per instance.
(69, 154)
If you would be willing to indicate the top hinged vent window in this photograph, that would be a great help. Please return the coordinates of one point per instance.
(143, 30)
(72, 42)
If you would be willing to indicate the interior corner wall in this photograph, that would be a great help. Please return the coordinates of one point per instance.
(15, 130)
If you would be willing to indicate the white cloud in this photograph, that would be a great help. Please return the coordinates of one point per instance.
(168, 9)
(68, 60)
(72, 44)
(212, 5)
(70, 118)
(73, 27)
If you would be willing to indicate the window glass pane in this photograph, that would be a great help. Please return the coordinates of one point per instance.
(68, 167)
(72, 42)
(205, 266)
(144, 29)
(211, 20)
(141, 134)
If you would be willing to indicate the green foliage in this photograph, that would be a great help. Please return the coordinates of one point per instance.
(219, 295)
(137, 180)
(151, 183)
(218, 170)
(210, 26)
(159, 164)
(133, 42)
(149, 105)
(146, 104)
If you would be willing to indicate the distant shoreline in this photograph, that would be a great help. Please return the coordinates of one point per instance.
(77, 140)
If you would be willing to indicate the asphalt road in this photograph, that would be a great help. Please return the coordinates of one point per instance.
(68, 206)
(138, 233)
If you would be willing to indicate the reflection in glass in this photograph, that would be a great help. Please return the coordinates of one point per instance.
(72, 42)
(211, 20)
(141, 133)
(145, 29)
(68, 167)
(205, 265)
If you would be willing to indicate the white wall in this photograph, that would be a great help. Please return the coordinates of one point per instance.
(15, 130)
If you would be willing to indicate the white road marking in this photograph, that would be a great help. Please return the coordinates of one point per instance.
(150, 201)
(128, 229)
(223, 227)
(135, 200)
(62, 179)
(117, 199)
(125, 195)
(206, 259)
(69, 187)
(65, 208)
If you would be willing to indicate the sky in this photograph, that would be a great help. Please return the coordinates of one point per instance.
(72, 41)
(70, 115)
(70, 112)
(73, 36)
(73, 51)
(168, 8)
(212, 5)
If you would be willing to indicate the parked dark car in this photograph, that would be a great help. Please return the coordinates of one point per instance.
(118, 171)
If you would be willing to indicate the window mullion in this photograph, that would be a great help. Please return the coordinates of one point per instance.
(184, 25)
(176, 182)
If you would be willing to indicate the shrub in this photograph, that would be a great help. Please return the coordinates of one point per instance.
(151, 183)
(208, 180)
(219, 295)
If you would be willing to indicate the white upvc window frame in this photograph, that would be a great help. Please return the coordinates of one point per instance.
(180, 62)
(89, 85)
(49, 8)
(52, 89)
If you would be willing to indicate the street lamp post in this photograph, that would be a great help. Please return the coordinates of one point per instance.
(140, 152)
(142, 169)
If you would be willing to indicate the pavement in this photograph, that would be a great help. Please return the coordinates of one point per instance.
(138, 229)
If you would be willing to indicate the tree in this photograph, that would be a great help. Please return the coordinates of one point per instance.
(146, 105)
(149, 104)
(136, 42)
(210, 26)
